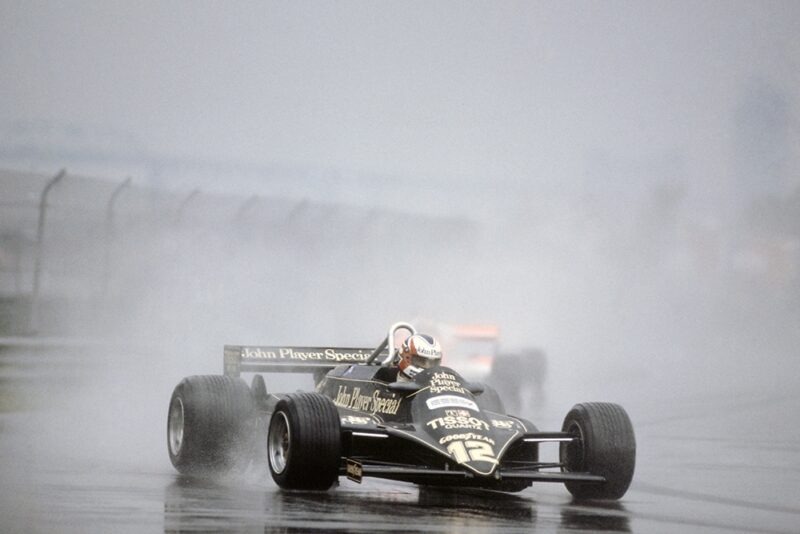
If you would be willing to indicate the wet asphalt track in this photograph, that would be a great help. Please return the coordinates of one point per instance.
(725, 462)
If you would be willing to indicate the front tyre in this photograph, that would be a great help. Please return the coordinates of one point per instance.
(304, 442)
(211, 426)
(606, 446)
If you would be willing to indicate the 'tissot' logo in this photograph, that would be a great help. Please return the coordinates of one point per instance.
(449, 423)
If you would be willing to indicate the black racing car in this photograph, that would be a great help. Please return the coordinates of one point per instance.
(362, 422)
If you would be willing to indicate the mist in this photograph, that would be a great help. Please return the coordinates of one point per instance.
(616, 184)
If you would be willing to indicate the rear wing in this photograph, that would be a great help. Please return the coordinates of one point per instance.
(243, 359)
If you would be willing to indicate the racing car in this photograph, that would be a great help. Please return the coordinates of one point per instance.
(361, 422)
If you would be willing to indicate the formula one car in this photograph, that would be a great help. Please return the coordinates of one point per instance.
(362, 422)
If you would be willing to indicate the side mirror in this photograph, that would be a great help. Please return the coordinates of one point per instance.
(476, 388)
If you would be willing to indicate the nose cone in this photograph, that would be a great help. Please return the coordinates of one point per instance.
(466, 436)
(476, 453)
(452, 421)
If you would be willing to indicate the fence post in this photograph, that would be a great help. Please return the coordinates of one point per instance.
(183, 205)
(110, 231)
(33, 317)
(245, 207)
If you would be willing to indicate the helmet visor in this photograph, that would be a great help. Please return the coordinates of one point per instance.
(425, 362)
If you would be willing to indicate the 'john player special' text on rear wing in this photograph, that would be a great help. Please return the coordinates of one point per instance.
(240, 359)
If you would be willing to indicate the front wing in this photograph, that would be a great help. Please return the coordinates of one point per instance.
(357, 468)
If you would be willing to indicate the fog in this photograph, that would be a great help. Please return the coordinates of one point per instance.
(615, 183)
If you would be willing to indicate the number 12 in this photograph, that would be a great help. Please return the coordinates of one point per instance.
(477, 451)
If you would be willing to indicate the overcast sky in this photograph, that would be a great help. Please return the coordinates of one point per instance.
(504, 91)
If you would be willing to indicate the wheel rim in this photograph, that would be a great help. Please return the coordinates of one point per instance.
(574, 452)
(279, 443)
(175, 427)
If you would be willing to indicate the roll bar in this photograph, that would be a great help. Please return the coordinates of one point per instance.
(389, 342)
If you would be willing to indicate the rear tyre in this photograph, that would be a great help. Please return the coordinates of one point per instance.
(304, 442)
(259, 390)
(211, 426)
(606, 446)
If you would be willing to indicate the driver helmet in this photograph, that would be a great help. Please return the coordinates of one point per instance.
(417, 353)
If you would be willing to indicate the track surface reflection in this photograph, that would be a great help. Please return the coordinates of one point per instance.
(705, 463)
